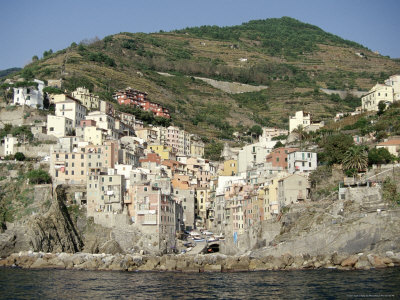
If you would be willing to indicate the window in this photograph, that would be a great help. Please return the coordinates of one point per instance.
(145, 189)
(81, 172)
(82, 164)
(72, 173)
(73, 157)
(66, 156)
(110, 179)
(277, 159)
(73, 164)
(51, 129)
(66, 172)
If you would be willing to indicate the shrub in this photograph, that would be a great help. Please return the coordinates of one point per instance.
(19, 156)
(38, 177)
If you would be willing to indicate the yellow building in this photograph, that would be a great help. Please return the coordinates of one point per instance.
(196, 148)
(270, 195)
(163, 151)
(90, 101)
(94, 135)
(230, 168)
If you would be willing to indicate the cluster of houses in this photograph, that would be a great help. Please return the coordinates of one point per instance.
(156, 179)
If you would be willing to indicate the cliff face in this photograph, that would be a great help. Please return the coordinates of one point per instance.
(49, 230)
(55, 231)
(362, 222)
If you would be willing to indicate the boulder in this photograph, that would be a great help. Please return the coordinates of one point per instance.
(376, 261)
(350, 261)
(150, 264)
(362, 264)
(111, 247)
(337, 259)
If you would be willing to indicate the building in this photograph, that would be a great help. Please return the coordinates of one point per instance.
(31, 95)
(230, 168)
(9, 144)
(394, 82)
(71, 109)
(304, 119)
(104, 121)
(293, 189)
(196, 146)
(178, 139)
(279, 157)
(89, 100)
(59, 126)
(105, 193)
(154, 213)
(302, 161)
(165, 152)
(393, 146)
(273, 132)
(379, 93)
(132, 97)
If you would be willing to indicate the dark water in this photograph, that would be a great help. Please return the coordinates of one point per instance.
(312, 284)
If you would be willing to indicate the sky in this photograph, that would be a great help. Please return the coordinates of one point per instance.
(29, 28)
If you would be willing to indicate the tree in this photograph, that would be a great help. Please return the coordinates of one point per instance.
(356, 157)
(379, 156)
(19, 156)
(35, 58)
(278, 145)
(381, 107)
(335, 146)
(38, 177)
(301, 134)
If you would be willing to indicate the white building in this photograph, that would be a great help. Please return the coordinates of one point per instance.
(301, 118)
(254, 154)
(29, 95)
(9, 143)
(59, 126)
(302, 161)
(394, 82)
(380, 92)
(104, 121)
(72, 109)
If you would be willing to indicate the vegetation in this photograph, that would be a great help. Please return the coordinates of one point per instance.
(355, 158)
(19, 156)
(390, 191)
(38, 177)
(334, 148)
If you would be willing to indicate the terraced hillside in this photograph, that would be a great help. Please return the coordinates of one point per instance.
(292, 59)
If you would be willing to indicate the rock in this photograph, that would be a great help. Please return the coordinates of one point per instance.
(362, 264)
(317, 264)
(170, 265)
(389, 253)
(212, 268)
(287, 259)
(257, 265)
(150, 264)
(376, 261)
(337, 259)
(236, 264)
(55, 231)
(111, 247)
(7, 244)
(181, 264)
(350, 261)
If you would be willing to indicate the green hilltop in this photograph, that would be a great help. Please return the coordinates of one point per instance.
(292, 59)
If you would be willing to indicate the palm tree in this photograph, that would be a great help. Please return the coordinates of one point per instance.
(301, 134)
(356, 157)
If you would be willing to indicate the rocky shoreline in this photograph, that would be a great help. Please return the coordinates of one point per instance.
(197, 263)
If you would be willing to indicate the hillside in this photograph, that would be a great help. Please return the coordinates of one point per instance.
(292, 59)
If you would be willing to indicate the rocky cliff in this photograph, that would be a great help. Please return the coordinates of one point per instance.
(55, 231)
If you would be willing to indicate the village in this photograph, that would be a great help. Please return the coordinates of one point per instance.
(155, 179)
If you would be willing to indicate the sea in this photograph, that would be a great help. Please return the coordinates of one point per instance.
(304, 284)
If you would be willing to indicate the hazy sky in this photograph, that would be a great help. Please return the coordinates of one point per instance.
(28, 27)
